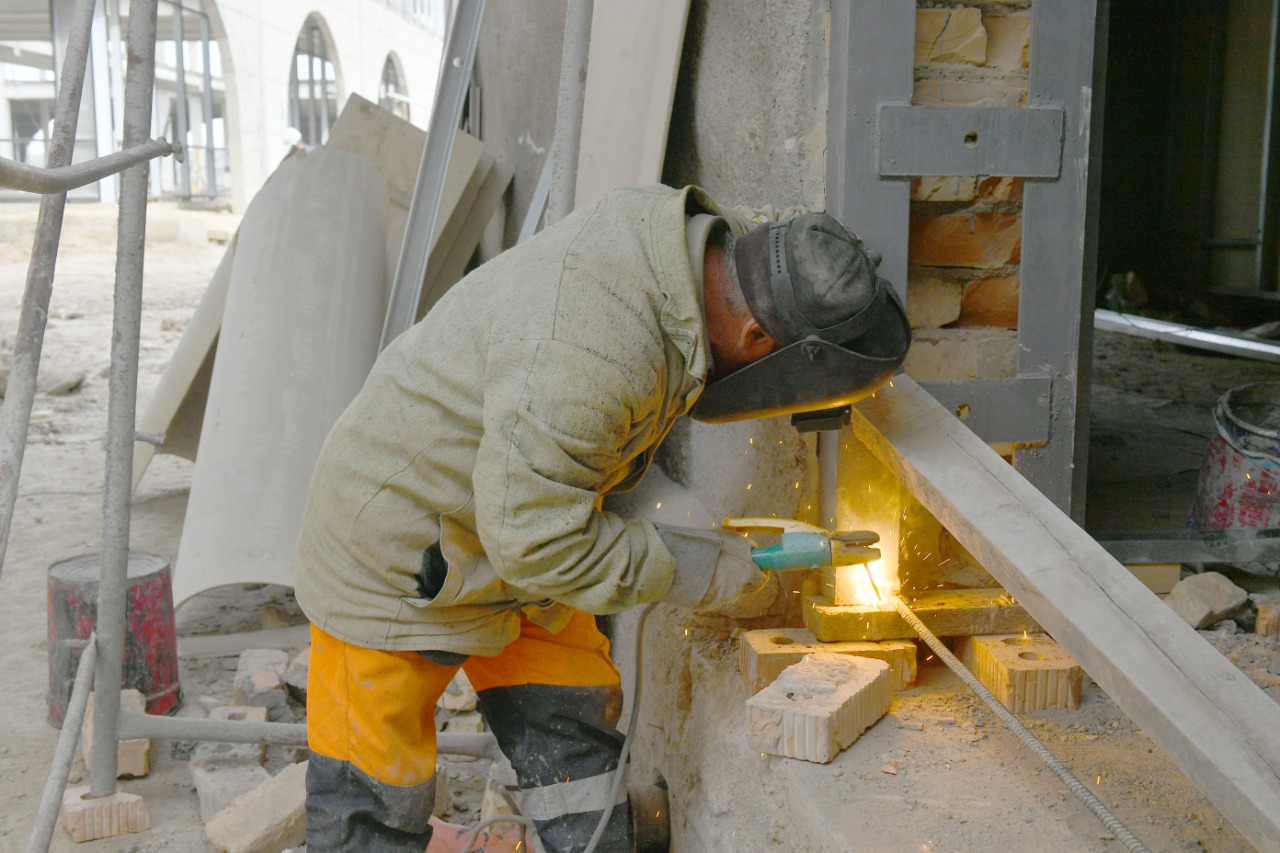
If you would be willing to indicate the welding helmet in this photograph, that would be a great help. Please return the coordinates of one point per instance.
(841, 329)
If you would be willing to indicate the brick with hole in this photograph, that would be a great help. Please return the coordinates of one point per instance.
(1026, 672)
(764, 654)
(819, 706)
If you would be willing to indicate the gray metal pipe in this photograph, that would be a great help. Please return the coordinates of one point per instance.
(34, 179)
(65, 752)
(829, 478)
(135, 725)
(180, 100)
(15, 414)
(573, 90)
(122, 405)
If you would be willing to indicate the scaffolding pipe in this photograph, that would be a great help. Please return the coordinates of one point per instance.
(122, 405)
(15, 414)
(180, 101)
(573, 90)
(60, 179)
(65, 752)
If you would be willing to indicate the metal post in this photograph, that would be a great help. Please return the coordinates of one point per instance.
(123, 387)
(455, 74)
(64, 752)
(829, 478)
(312, 138)
(16, 412)
(324, 91)
(573, 90)
(115, 46)
(1265, 261)
(210, 166)
(99, 75)
(180, 71)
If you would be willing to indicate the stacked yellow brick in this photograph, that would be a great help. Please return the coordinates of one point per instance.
(966, 231)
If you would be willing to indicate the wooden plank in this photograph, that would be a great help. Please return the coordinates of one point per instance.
(947, 613)
(632, 66)
(1210, 719)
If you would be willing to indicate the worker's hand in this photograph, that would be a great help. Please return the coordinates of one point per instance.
(715, 573)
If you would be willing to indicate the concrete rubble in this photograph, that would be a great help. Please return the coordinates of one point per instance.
(1207, 598)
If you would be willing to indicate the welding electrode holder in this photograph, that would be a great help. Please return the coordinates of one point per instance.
(804, 546)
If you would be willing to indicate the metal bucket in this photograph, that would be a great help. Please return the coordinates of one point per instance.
(151, 643)
(1239, 485)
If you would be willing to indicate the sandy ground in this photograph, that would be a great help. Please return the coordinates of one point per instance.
(1149, 430)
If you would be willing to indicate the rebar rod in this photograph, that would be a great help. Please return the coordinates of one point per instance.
(122, 402)
(1104, 814)
(65, 752)
(60, 179)
(15, 414)
(573, 89)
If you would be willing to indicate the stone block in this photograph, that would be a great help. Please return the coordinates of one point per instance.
(819, 706)
(1008, 40)
(1160, 578)
(259, 681)
(217, 785)
(945, 354)
(763, 655)
(964, 93)
(133, 756)
(88, 818)
(944, 189)
(1268, 624)
(990, 303)
(267, 819)
(295, 677)
(976, 240)
(459, 696)
(1001, 189)
(950, 36)
(1206, 598)
(1026, 672)
(933, 303)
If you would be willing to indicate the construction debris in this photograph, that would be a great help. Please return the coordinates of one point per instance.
(819, 706)
(267, 819)
(259, 681)
(133, 756)
(1205, 599)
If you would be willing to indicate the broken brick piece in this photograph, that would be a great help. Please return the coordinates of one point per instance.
(1268, 624)
(1026, 672)
(269, 818)
(88, 818)
(763, 655)
(259, 681)
(133, 756)
(819, 706)
(295, 677)
(1204, 599)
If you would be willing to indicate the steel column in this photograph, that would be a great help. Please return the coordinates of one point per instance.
(121, 409)
(569, 101)
(324, 90)
(16, 411)
(1269, 193)
(206, 100)
(1059, 251)
(180, 70)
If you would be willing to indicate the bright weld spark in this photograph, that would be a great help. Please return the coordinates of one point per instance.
(658, 505)
(751, 440)
(748, 487)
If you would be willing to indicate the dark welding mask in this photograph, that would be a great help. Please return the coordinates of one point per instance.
(841, 329)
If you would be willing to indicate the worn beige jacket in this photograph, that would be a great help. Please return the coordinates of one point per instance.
(542, 381)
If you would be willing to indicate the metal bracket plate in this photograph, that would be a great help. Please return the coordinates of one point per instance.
(969, 141)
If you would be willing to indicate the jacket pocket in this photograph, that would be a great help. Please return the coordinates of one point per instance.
(455, 572)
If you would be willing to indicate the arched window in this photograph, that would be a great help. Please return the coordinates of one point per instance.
(393, 95)
(314, 82)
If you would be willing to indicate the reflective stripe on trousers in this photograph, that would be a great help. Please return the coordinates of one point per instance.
(552, 702)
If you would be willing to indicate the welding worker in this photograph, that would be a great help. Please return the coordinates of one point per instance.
(454, 518)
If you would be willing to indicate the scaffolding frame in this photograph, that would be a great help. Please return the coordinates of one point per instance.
(102, 659)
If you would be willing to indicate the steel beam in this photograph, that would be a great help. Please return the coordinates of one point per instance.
(969, 141)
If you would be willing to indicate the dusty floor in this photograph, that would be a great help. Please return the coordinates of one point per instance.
(1151, 421)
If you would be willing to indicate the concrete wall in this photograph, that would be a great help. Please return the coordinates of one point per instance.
(258, 42)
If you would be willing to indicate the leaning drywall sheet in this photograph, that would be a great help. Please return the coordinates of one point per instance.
(176, 408)
(299, 334)
(632, 66)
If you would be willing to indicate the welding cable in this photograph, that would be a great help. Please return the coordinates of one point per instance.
(619, 776)
(1024, 734)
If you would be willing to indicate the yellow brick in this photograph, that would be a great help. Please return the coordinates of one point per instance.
(1008, 40)
(1025, 672)
(763, 655)
(1160, 578)
(133, 756)
(1268, 619)
(949, 36)
(88, 818)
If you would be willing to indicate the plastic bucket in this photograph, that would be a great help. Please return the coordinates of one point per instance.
(151, 644)
(1239, 485)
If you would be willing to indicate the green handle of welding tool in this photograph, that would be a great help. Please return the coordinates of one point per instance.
(794, 551)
